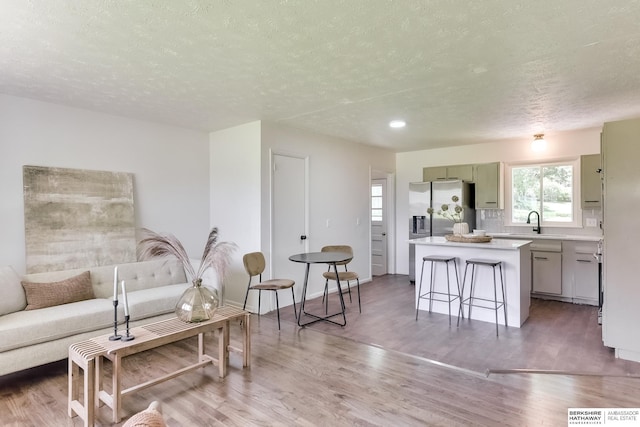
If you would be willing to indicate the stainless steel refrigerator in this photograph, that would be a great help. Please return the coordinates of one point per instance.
(423, 195)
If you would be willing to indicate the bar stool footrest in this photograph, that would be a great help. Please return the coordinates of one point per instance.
(493, 307)
(451, 296)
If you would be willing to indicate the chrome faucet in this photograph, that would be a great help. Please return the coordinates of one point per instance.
(535, 229)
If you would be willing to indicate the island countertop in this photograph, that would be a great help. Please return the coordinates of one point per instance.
(505, 244)
(515, 258)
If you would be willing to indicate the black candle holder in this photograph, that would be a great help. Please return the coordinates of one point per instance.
(115, 335)
(127, 337)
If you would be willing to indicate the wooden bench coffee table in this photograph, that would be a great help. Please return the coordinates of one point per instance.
(88, 355)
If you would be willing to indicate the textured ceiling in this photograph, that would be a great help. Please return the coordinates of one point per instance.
(459, 72)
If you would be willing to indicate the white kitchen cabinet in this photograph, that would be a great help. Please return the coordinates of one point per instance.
(564, 270)
(489, 190)
(546, 272)
(586, 279)
(590, 182)
(580, 272)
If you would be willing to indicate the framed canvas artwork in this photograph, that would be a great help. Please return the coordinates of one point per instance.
(77, 218)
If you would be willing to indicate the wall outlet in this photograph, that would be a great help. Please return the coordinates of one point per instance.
(592, 222)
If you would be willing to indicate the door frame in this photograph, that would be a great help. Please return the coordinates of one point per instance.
(272, 154)
(390, 177)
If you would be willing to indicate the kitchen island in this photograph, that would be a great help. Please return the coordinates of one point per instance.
(516, 264)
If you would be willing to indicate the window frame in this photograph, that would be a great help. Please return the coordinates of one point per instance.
(574, 162)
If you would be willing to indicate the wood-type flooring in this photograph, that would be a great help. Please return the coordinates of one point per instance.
(383, 369)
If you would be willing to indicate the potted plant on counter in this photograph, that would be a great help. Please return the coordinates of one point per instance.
(455, 214)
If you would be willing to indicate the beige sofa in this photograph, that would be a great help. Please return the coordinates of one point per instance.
(34, 337)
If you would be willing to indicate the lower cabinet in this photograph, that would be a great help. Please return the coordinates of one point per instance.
(581, 272)
(565, 271)
(546, 270)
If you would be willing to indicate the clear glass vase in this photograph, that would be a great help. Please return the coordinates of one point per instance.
(197, 303)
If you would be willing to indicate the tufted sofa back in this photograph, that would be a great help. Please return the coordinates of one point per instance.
(137, 276)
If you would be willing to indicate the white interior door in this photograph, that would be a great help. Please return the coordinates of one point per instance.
(378, 227)
(289, 221)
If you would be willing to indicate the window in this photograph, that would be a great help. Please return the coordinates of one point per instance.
(551, 189)
(376, 202)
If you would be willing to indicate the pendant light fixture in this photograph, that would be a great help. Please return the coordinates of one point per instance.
(538, 143)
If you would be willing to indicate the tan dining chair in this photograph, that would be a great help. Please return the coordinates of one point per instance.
(344, 276)
(254, 264)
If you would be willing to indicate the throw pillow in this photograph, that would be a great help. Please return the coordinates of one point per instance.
(150, 417)
(13, 298)
(41, 295)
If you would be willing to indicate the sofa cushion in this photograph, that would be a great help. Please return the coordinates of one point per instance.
(28, 327)
(73, 289)
(154, 301)
(12, 292)
(24, 328)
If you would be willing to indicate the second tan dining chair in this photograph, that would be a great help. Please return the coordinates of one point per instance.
(344, 276)
(254, 264)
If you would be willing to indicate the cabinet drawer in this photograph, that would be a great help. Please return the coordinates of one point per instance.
(546, 246)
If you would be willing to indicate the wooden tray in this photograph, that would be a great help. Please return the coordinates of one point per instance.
(463, 239)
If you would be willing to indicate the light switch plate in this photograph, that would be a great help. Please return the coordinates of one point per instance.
(592, 222)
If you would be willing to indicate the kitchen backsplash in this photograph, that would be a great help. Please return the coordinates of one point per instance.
(493, 220)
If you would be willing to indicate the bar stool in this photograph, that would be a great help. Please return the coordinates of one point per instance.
(471, 301)
(430, 295)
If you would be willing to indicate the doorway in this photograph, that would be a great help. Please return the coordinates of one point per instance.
(379, 221)
(289, 220)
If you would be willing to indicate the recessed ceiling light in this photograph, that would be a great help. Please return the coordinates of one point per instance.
(397, 123)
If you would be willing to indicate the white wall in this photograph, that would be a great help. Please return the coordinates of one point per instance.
(169, 164)
(339, 190)
(409, 168)
(235, 197)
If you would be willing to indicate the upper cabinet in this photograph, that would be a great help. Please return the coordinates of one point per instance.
(439, 173)
(434, 173)
(488, 179)
(590, 182)
(461, 172)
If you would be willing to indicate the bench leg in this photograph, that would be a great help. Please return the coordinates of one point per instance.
(246, 341)
(89, 393)
(223, 350)
(116, 363)
(86, 411)
(201, 348)
(74, 371)
(98, 382)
